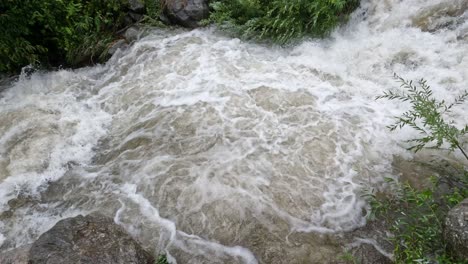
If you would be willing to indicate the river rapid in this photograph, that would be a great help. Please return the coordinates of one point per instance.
(215, 150)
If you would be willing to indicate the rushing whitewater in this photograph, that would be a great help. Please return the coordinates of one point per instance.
(214, 150)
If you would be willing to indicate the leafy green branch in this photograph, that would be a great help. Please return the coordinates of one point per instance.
(427, 116)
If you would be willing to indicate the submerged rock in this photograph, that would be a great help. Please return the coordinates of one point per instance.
(119, 44)
(187, 13)
(87, 239)
(368, 254)
(456, 230)
(442, 15)
(370, 244)
(15, 256)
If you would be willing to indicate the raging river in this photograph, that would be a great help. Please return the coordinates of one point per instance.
(211, 149)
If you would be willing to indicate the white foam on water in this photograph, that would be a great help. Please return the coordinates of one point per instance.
(181, 239)
(45, 130)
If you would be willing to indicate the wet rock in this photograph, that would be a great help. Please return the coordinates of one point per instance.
(132, 34)
(413, 172)
(370, 244)
(456, 230)
(163, 17)
(135, 16)
(128, 21)
(15, 256)
(442, 15)
(368, 254)
(87, 239)
(136, 6)
(120, 44)
(187, 13)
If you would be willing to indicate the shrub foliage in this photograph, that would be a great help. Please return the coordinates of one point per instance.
(280, 20)
(416, 219)
(56, 32)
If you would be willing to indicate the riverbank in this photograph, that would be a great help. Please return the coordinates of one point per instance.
(76, 33)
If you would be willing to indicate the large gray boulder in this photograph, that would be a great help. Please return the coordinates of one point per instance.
(87, 239)
(187, 13)
(456, 230)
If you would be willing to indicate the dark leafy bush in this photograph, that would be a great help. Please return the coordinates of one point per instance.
(56, 32)
(280, 20)
(153, 8)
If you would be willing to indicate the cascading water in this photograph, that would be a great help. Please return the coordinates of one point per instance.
(214, 150)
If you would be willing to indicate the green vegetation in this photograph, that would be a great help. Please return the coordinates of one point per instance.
(74, 33)
(427, 116)
(416, 216)
(57, 32)
(154, 8)
(280, 20)
(162, 260)
(348, 257)
(416, 219)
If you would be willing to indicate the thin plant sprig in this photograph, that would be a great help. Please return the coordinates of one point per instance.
(427, 116)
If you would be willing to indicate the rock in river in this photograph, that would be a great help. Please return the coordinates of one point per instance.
(187, 13)
(87, 239)
(456, 230)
